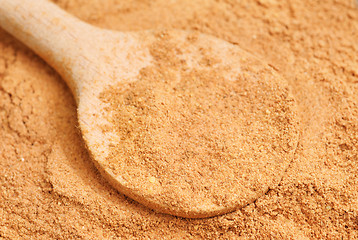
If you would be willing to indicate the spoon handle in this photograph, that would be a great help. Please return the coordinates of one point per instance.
(49, 31)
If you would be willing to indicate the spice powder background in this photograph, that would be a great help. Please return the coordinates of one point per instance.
(50, 189)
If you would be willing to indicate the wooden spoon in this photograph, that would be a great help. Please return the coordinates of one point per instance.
(219, 127)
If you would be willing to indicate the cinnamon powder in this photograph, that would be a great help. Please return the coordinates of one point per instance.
(50, 190)
(200, 134)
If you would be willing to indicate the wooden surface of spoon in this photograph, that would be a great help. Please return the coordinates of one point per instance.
(182, 122)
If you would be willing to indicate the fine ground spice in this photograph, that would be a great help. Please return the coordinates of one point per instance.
(49, 188)
(199, 133)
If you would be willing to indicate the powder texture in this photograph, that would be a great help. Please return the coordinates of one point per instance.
(49, 188)
(199, 133)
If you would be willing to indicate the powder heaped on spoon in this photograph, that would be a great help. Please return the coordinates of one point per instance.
(208, 139)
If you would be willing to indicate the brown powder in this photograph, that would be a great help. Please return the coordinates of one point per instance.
(197, 137)
(50, 190)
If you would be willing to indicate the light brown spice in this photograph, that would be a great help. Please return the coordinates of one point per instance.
(197, 134)
(56, 193)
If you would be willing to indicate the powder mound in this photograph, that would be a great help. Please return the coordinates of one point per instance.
(204, 132)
